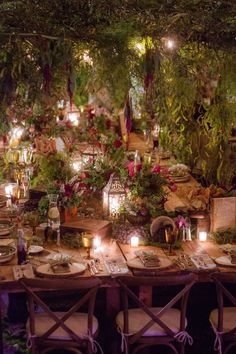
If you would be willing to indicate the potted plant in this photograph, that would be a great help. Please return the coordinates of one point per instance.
(71, 197)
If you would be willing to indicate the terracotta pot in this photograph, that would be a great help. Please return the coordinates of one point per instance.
(71, 214)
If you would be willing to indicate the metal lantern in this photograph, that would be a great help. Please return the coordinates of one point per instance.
(76, 162)
(90, 154)
(113, 196)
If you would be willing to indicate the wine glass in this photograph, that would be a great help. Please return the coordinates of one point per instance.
(170, 238)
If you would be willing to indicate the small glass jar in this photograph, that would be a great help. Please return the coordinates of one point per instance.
(54, 215)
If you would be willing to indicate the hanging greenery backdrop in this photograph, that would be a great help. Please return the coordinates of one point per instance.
(190, 89)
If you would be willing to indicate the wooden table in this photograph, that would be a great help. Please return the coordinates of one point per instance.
(122, 252)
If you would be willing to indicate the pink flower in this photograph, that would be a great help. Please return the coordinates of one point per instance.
(108, 123)
(68, 190)
(132, 168)
(117, 143)
(181, 222)
(156, 169)
(173, 187)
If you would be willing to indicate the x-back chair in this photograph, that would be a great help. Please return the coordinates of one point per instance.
(145, 326)
(223, 319)
(72, 329)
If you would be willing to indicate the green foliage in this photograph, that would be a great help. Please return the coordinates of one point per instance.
(195, 109)
(53, 170)
(224, 236)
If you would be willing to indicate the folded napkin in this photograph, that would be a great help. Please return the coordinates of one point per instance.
(60, 264)
(60, 268)
(149, 260)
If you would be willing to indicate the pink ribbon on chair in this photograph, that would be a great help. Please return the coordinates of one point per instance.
(184, 337)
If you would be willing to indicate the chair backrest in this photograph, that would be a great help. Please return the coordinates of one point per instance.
(186, 281)
(87, 287)
(221, 280)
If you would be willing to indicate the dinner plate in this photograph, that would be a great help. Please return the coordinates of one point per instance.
(7, 253)
(6, 226)
(45, 270)
(136, 263)
(225, 261)
(179, 179)
(33, 249)
(3, 200)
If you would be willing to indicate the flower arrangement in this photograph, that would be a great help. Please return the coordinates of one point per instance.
(71, 193)
(146, 189)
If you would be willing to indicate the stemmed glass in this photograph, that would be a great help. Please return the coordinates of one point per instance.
(170, 238)
(87, 240)
(26, 185)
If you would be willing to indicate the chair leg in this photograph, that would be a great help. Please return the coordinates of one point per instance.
(181, 348)
(228, 347)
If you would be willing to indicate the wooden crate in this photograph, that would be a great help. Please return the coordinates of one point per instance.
(99, 227)
(223, 213)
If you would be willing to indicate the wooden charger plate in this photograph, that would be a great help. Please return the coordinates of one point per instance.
(224, 261)
(136, 263)
(45, 270)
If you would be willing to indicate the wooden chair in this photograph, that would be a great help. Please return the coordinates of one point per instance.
(145, 326)
(72, 330)
(223, 319)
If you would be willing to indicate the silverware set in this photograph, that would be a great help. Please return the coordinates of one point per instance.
(95, 266)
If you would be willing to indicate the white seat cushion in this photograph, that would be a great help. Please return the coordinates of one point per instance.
(229, 318)
(138, 318)
(78, 323)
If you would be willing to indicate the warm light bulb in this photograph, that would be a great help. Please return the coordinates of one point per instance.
(170, 44)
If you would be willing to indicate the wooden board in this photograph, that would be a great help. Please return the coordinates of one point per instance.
(95, 226)
(225, 261)
(223, 213)
(75, 269)
(135, 263)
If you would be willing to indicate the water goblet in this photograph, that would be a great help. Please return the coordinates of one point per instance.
(170, 238)
(87, 240)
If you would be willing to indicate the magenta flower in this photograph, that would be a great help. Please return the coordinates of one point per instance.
(156, 169)
(181, 222)
(173, 187)
(117, 143)
(133, 168)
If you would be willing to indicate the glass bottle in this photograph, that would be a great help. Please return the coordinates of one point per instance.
(21, 248)
(54, 215)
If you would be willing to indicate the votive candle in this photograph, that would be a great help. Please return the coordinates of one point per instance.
(202, 235)
(134, 241)
(97, 242)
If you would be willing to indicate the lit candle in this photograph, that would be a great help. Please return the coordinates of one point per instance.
(202, 236)
(134, 241)
(8, 192)
(97, 242)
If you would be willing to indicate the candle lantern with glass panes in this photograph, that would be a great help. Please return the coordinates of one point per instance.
(113, 196)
